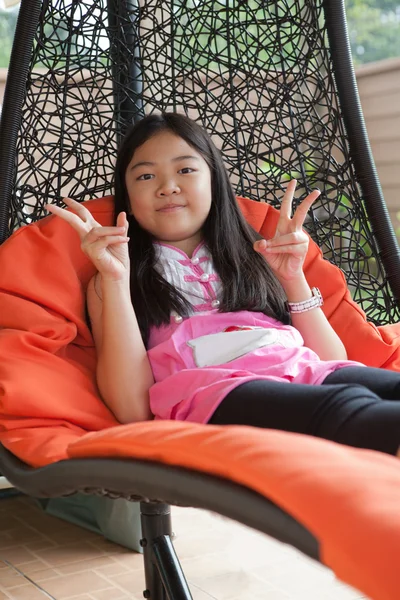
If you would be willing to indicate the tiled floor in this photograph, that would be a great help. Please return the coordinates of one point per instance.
(43, 557)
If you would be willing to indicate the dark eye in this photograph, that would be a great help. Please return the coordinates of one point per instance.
(145, 176)
(186, 170)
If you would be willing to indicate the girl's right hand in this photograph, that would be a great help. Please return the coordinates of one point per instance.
(107, 247)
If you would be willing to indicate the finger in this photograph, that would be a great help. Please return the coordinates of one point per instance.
(302, 210)
(297, 244)
(286, 204)
(288, 249)
(113, 239)
(126, 223)
(76, 206)
(80, 210)
(104, 231)
(260, 245)
(106, 241)
(74, 220)
(122, 221)
(296, 237)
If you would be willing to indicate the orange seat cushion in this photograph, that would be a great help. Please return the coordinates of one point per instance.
(346, 497)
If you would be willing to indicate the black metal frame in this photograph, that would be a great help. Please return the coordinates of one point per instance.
(163, 572)
(128, 109)
(359, 146)
(157, 486)
(14, 95)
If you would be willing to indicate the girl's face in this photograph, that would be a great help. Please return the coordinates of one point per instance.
(169, 188)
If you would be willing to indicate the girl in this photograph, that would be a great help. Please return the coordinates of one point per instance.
(197, 318)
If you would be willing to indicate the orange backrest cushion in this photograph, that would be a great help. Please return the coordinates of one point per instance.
(48, 389)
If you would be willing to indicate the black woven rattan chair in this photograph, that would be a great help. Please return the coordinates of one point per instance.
(274, 85)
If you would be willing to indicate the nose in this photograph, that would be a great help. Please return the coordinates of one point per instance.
(167, 188)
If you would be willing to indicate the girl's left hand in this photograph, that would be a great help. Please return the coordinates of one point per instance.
(286, 251)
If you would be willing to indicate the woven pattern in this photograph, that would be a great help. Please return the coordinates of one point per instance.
(255, 74)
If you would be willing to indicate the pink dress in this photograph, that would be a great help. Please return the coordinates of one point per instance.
(198, 360)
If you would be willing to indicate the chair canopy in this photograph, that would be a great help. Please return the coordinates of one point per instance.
(262, 77)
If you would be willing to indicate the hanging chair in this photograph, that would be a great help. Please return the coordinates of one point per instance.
(273, 84)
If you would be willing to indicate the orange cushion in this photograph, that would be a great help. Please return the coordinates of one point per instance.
(47, 354)
(348, 498)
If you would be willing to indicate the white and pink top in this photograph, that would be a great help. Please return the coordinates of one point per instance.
(198, 360)
(194, 277)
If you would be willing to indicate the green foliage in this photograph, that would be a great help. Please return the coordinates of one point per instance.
(236, 32)
(79, 45)
(8, 21)
(374, 29)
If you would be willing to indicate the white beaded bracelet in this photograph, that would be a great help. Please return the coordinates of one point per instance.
(314, 302)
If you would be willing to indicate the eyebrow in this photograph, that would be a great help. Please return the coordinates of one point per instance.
(146, 163)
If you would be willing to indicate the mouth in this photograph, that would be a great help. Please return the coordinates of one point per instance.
(171, 208)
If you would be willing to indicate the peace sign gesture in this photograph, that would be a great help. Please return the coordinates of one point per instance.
(107, 247)
(286, 251)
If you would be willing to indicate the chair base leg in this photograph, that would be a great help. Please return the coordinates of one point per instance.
(163, 572)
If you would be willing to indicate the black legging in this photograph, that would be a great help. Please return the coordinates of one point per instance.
(357, 406)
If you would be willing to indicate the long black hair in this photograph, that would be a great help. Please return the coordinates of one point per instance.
(248, 282)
